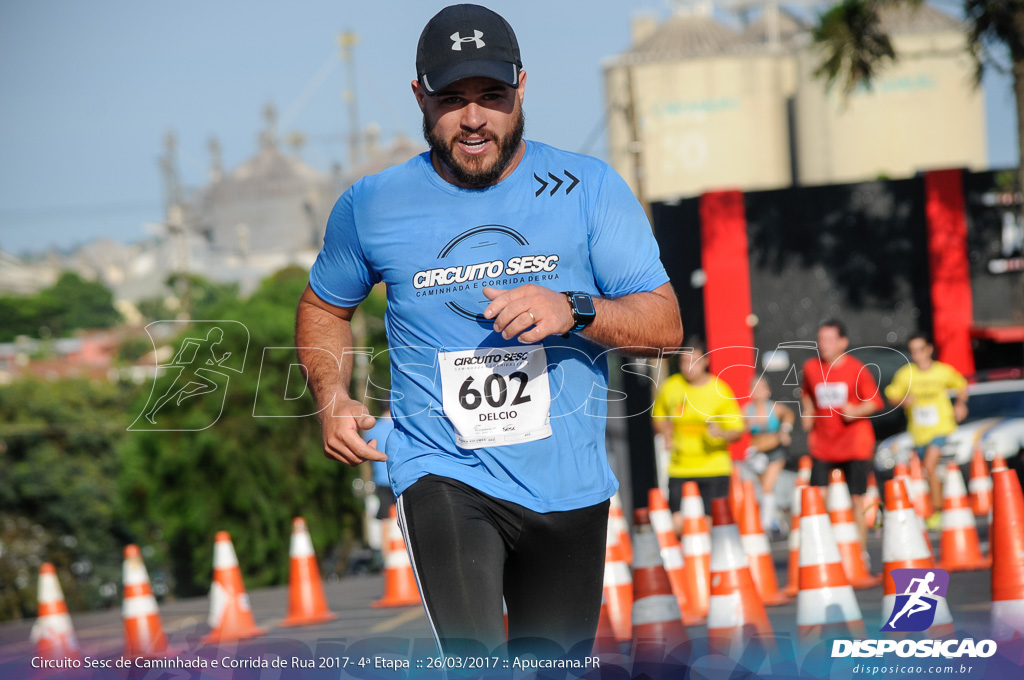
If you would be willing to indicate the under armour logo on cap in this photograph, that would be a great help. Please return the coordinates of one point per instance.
(443, 58)
(457, 40)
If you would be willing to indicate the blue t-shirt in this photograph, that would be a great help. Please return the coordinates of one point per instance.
(559, 220)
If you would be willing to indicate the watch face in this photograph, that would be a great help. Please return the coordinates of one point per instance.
(584, 305)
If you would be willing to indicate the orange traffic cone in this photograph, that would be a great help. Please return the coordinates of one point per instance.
(980, 485)
(230, 611)
(656, 616)
(52, 633)
(872, 503)
(803, 471)
(903, 547)
(1007, 554)
(735, 493)
(840, 510)
(759, 552)
(617, 598)
(922, 498)
(959, 546)
(696, 555)
(143, 632)
(618, 522)
(399, 582)
(793, 573)
(306, 601)
(671, 550)
(826, 606)
(901, 473)
(736, 612)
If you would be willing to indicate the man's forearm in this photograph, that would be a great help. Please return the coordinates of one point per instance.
(322, 339)
(639, 320)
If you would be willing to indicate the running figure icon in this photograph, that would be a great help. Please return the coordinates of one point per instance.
(916, 602)
(191, 379)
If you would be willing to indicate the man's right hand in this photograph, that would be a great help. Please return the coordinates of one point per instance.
(341, 423)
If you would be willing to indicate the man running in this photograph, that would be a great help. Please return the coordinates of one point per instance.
(839, 395)
(510, 267)
(922, 387)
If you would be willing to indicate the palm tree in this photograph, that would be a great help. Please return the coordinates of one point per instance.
(856, 47)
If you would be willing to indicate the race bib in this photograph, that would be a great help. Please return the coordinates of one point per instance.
(496, 396)
(831, 395)
(925, 416)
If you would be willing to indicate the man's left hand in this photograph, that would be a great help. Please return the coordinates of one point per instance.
(532, 312)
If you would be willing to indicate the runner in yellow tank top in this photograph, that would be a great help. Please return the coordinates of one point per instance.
(698, 414)
(922, 387)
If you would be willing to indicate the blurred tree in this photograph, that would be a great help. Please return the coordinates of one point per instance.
(70, 304)
(856, 47)
(247, 475)
(58, 490)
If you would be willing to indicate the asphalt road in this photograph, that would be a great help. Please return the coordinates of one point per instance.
(361, 631)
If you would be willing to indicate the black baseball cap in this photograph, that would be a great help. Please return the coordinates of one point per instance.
(463, 41)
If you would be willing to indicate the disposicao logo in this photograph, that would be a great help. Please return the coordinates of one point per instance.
(914, 610)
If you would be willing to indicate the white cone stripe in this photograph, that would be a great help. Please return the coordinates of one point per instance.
(902, 538)
(134, 572)
(794, 539)
(143, 605)
(942, 613)
(397, 559)
(617, 574)
(755, 544)
(953, 485)
(218, 602)
(49, 589)
(53, 625)
(817, 544)
(646, 552)
(820, 606)
(727, 549)
(693, 507)
(959, 518)
(302, 544)
(838, 498)
(672, 558)
(846, 533)
(656, 609)
(661, 521)
(1007, 619)
(695, 545)
(725, 611)
(612, 537)
(619, 524)
(980, 484)
(224, 555)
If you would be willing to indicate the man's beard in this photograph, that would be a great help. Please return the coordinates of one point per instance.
(473, 176)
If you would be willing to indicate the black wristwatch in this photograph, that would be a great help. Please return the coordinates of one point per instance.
(582, 306)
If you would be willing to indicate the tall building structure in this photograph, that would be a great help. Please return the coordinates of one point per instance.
(697, 105)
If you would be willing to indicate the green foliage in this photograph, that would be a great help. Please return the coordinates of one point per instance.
(70, 304)
(58, 490)
(76, 485)
(855, 46)
(247, 475)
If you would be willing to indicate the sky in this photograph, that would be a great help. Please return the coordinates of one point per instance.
(88, 90)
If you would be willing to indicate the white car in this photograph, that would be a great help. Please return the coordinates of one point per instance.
(995, 422)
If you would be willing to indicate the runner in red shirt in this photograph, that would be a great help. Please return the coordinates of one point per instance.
(839, 396)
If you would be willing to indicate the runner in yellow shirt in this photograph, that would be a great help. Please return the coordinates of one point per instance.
(922, 388)
(698, 414)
